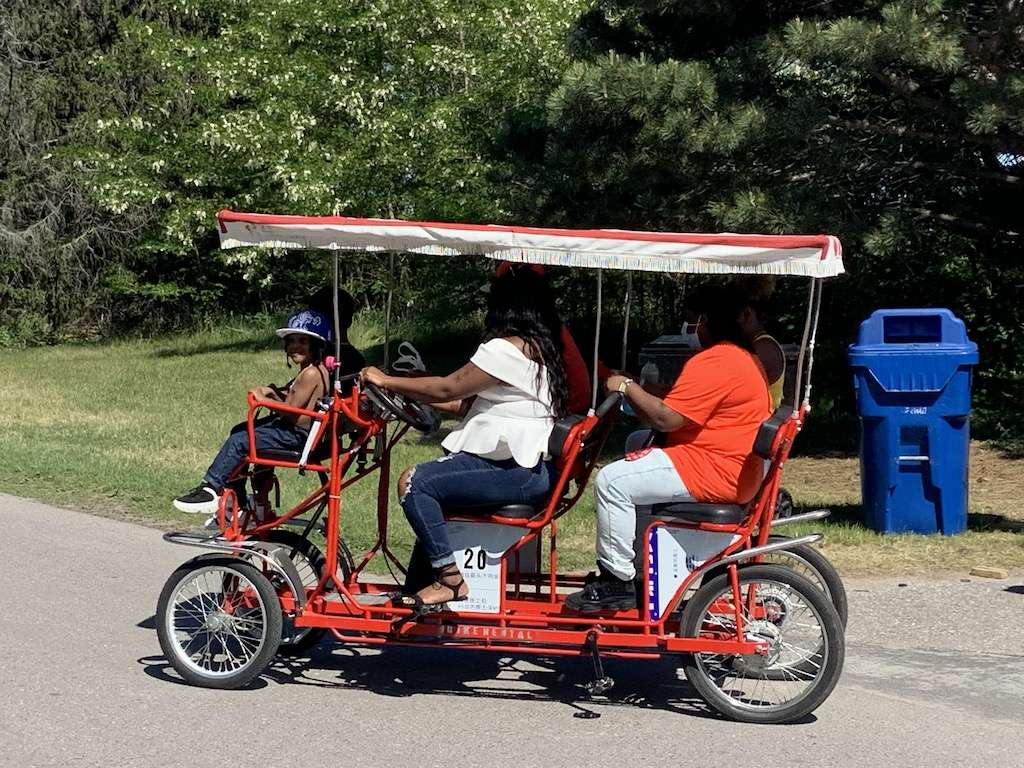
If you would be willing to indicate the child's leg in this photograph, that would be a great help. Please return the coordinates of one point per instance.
(271, 435)
(230, 455)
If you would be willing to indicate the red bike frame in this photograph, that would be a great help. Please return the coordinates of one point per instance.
(532, 621)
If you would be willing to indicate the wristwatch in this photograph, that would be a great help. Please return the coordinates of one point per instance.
(623, 384)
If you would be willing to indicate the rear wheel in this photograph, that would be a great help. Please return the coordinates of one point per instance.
(809, 563)
(747, 688)
(219, 622)
(309, 561)
(813, 565)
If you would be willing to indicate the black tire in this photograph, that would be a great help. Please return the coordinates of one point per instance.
(309, 560)
(830, 648)
(231, 574)
(824, 573)
(810, 563)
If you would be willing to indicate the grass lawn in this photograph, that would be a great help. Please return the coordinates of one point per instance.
(121, 428)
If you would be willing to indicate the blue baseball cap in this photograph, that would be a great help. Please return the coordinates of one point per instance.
(307, 322)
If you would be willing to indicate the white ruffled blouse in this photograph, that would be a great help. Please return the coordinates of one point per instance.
(512, 419)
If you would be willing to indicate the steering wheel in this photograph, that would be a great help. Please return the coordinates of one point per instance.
(419, 416)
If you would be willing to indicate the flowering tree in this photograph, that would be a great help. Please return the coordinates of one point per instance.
(350, 107)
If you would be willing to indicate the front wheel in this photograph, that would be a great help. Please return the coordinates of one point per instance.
(219, 622)
(809, 645)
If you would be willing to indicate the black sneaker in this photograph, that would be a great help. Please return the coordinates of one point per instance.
(201, 499)
(603, 592)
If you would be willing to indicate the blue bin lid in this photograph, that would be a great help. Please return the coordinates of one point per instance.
(913, 350)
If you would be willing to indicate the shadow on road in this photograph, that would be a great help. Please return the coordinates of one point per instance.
(404, 672)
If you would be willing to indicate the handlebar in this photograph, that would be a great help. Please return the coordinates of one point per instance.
(607, 404)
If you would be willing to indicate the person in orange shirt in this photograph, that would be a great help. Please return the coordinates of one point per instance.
(710, 417)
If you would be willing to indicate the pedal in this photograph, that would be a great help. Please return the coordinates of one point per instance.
(601, 683)
(599, 686)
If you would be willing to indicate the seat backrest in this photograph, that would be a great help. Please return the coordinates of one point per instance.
(562, 435)
(773, 442)
(594, 433)
(770, 432)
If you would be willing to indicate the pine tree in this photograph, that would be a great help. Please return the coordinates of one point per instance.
(898, 126)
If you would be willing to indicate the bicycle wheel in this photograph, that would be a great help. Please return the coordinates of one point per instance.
(812, 564)
(740, 687)
(218, 622)
(309, 561)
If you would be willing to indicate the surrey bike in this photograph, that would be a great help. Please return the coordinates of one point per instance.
(760, 641)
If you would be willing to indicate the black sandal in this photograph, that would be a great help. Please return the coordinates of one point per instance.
(415, 602)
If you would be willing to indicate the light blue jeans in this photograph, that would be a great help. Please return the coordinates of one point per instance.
(621, 487)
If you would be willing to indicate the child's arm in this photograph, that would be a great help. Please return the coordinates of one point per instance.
(269, 392)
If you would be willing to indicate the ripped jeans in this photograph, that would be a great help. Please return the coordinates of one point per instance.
(466, 480)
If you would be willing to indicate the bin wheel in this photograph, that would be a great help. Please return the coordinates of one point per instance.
(309, 561)
(738, 686)
(218, 622)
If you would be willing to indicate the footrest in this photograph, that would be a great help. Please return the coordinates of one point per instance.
(694, 512)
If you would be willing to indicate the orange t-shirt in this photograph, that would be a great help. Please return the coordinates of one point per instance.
(723, 393)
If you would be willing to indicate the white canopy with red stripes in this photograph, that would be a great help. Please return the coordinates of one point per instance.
(801, 255)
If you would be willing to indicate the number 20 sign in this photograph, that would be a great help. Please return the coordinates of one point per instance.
(479, 549)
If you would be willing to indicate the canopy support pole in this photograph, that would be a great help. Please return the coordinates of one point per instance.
(798, 381)
(337, 335)
(625, 320)
(387, 309)
(597, 343)
(814, 336)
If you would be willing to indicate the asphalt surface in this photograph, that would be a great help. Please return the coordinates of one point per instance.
(934, 676)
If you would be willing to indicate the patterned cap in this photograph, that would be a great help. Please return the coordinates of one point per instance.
(306, 322)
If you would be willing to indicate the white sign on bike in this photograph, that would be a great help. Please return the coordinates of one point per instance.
(479, 549)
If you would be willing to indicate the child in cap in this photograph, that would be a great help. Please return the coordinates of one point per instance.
(306, 339)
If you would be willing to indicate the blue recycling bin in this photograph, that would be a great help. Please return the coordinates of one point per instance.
(912, 372)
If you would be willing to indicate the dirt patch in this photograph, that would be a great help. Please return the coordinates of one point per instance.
(994, 482)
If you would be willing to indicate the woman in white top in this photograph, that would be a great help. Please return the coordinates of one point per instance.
(511, 391)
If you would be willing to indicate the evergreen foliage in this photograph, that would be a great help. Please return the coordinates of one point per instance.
(349, 107)
(897, 125)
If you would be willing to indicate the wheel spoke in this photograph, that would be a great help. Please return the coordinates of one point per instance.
(778, 615)
(217, 621)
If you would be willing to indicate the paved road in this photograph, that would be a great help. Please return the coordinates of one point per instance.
(934, 676)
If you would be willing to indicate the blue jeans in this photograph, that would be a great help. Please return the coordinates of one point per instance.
(272, 434)
(466, 480)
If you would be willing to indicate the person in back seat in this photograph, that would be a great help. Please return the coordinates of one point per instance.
(711, 417)
(497, 454)
(306, 338)
(351, 359)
